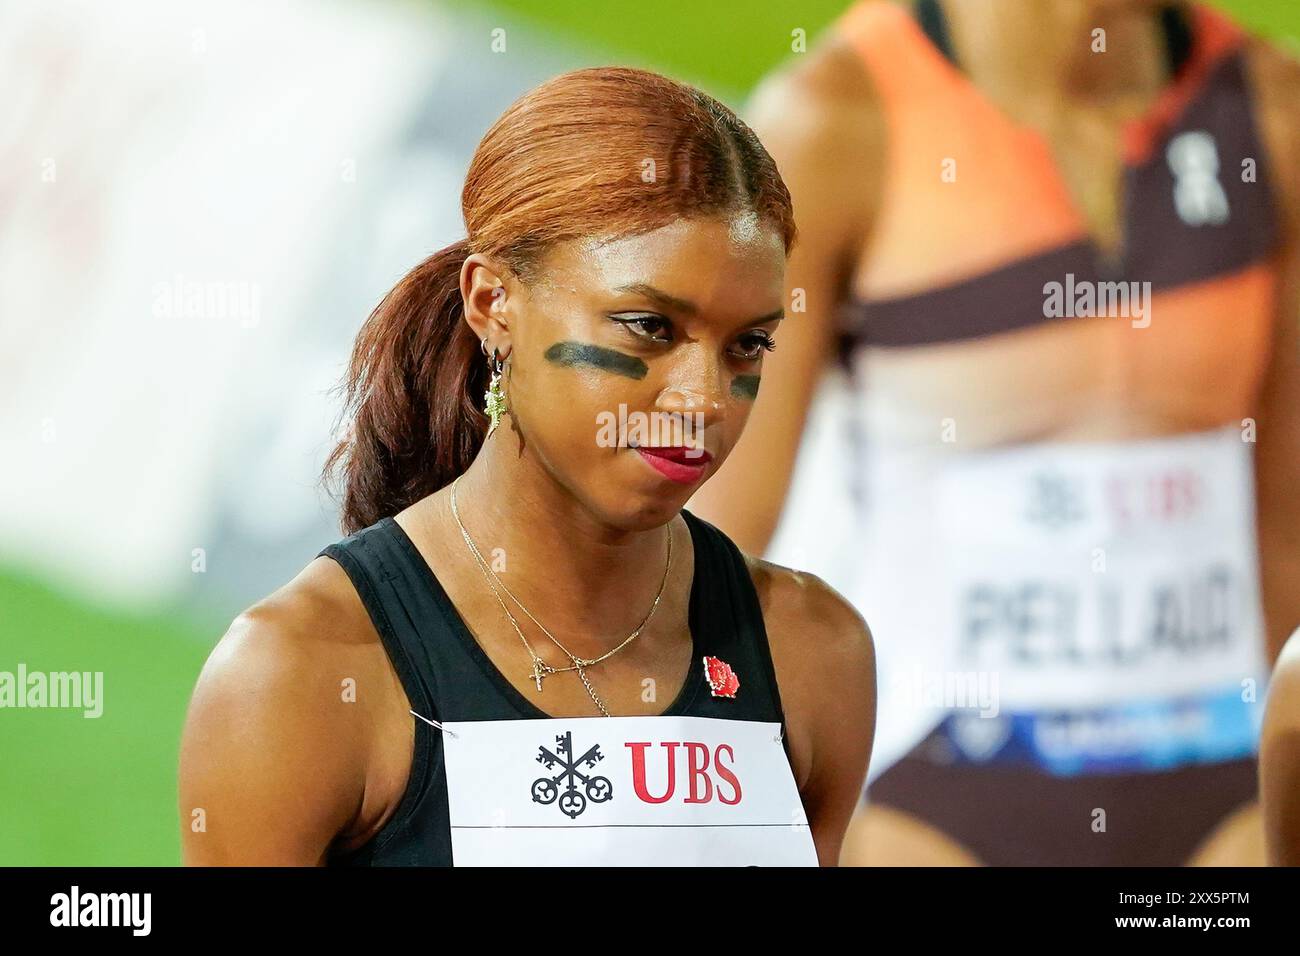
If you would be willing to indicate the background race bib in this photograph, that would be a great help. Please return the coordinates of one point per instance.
(1111, 593)
(623, 791)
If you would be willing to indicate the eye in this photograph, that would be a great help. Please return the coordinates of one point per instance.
(644, 325)
(753, 344)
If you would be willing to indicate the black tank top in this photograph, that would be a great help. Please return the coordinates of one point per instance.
(447, 675)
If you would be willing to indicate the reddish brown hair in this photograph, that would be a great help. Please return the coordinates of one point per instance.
(607, 151)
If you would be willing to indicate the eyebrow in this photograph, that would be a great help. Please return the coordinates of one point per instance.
(684, 306)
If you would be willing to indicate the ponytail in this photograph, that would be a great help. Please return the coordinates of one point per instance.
(409, 391)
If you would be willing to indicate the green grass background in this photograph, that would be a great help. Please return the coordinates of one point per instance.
(727, 45)
(75, 791)
(94, 791)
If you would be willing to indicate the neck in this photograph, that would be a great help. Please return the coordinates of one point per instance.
(1041, 52)
(591, 584)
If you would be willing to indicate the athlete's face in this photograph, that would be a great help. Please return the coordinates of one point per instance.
(652, 340)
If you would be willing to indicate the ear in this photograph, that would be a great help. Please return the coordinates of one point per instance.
(487, 288)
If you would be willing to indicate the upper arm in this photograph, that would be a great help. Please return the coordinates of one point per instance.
(844, 723)
(1279, 759)
(821, 126)
(271, 762)
(825, 661)
(1277, 468)
(1276, 85)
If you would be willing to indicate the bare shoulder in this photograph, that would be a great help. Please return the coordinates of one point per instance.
(830, 77)
(802, 614)
(1283, 712)
(304, 630)
(1279, 758)
(821, 104)
(825, 664)
(1275, 82)
(820, 118)
(277, 728)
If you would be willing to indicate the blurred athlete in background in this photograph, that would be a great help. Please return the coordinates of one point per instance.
(1279, 759)
(1048, 252)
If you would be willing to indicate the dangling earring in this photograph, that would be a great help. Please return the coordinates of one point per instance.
(494, 396)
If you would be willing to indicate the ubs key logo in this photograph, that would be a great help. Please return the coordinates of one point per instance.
(572, 801)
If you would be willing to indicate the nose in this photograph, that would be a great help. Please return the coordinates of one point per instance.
(696, 396)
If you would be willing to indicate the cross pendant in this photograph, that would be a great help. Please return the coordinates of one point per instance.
(538, 674)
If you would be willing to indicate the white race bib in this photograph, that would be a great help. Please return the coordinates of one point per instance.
(623, 791)
(1086, 607)
(1105, 600)
(1089, 575)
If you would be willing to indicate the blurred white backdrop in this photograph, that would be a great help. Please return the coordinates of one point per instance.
(199, 204)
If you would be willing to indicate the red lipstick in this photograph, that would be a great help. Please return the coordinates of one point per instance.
(676, 462)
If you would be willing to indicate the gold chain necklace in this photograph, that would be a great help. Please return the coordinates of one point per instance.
(541, 669)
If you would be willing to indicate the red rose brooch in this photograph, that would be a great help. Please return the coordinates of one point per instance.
(722, 679)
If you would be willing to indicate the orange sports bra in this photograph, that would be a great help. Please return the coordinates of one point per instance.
(976, 219)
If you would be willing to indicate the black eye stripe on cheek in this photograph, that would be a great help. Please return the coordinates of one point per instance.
(609, 360)
(745, 386)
